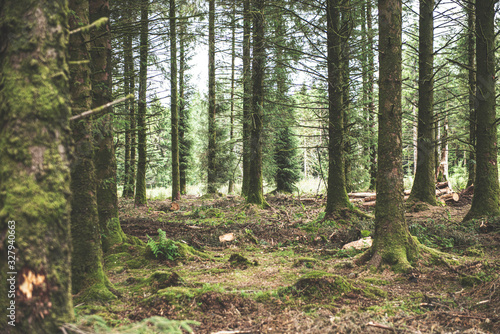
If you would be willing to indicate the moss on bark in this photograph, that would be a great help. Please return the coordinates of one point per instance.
(34, 173)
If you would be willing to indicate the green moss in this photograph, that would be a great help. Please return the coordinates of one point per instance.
(308, 262)
(134, 264)
(117, 259)
(239, 261)
(96, 292)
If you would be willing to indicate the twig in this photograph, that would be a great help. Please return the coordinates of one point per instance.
(101, 108)
(374, 324)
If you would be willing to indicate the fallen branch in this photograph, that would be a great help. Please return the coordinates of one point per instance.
(374, 324)
(101, 108)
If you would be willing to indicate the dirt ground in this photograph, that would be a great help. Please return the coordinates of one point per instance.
(294, 276)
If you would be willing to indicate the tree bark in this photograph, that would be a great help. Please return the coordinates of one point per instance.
(392, 244)
(247, 95)
(174, 112)
(337, 195)
(371, 98)
(183, 112)
(255, 187)
(471, 60)
(140, 187)
(423, 185)
(105, 158)
(486, 189)
(35, 149)
(212, 167)
(230, 187)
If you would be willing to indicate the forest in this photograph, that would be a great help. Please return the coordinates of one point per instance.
(254, 166)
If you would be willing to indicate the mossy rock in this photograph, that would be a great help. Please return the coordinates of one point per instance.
(163, 279)
(239, 261)
(374, 292)
(308, 262)
(134, 264)
(319, 284)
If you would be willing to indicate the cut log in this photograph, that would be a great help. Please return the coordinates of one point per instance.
(450, 197)
(174, 206)
(370, 198)
(443, 191)
(369, 204)
(407, 192)
(361, 195)
(441, 185)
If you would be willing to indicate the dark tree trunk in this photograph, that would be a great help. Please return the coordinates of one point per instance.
(424, 185)
(337, 195)
(86, 259)
(105, 158)
(471, 60)
(392, 244)
(230, 188)
(212, 167)
(183, 113)
(247, 95)
(486, 191)
(176, 188)
(255, 187)
(140, 188)
(371, 98)
(35, 148)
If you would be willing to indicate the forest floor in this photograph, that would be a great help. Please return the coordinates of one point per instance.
(293, 275)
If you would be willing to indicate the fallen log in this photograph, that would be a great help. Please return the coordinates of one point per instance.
(450, 197)
(361, 195)
(441, 185)
(443, 191)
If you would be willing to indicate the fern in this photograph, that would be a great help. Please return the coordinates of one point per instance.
(164, 246)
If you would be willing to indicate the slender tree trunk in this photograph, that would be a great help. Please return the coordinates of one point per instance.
(471, 59)
(35, 148)
(105, 158)
(174, 112)
(486, 190)
(230, 188)
(337, 195)
(212, 167)
(126, 159)
(128, 191)
(424, 184)
(183, 114)
(345, 58)
(371, 98)
(255, 187)
(247, 95)
(140, 188)
(392, 244)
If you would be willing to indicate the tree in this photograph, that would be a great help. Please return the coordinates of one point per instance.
(184, 142)
(35, 150)
(88, 277)
(140, 188)
(471, 62)
(247, 96)
(174, 112)
(486, 189)
(392, 242)
(212, 166)
(255, 193)
(337, 195)
(105, 158)
(424, 185)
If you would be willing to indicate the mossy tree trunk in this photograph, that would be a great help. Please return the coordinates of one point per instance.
(105, 158)
(371, 96)
(424, 185)
(129, 186)
(471, 62)
(212, 141)
(486, 191)
(35, 148)
(255, 193)
(337, 198)
(174, 111)
(247, 95)
(140, 186)
(392, 244)
(86, 262)
(184, 144)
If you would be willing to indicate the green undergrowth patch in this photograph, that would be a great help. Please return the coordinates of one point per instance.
(307, 262)
(166, 249)
(239, 261)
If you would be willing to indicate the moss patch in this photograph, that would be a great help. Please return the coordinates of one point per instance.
(239, 261)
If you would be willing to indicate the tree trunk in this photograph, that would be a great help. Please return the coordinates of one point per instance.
(86, 259)
(423, 185)
(105, 158)
(35, 148)
(212, 167)
(486, 191)
(392, 244)
(140, 188)
(176, 188)
(371, 98)
(183, 112)
(230, 187)
(247, 95)
(255, 187)
(471, 59)
(128, 190)
(337, 195)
